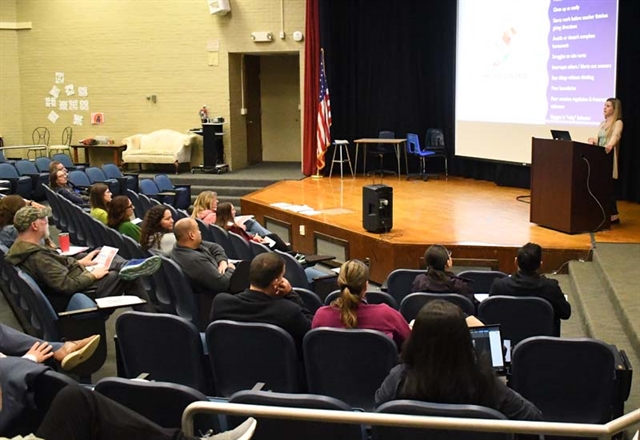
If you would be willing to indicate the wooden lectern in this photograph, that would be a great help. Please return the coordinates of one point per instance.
(567, 178)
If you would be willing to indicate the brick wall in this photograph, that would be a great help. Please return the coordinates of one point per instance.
(124, 51)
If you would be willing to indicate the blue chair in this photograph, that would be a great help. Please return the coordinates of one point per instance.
(398, 283)
(520, 317)
(27, 168)
(414, 149)
(417, 408)
(569, 380)
(481, 280)
(281, 429)
(65, 160)
(42, 164)
(221, 237)
(434, 141)
(182, 192)
(161, 402)
(167, 347)
(411, 304)
(126, 180)
(348, 364)
(79, 179)
(3, 159)
(310, 298)
(96, 175)
(245, 353)
(21, 185)
(149, 188)
(241, 247)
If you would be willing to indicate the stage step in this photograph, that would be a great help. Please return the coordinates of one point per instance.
(600, 318)
(574, 326)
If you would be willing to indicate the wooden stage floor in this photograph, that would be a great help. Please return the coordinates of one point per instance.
(480, 222)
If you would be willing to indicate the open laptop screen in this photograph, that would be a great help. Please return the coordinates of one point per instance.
(488, 339)
(560, 135)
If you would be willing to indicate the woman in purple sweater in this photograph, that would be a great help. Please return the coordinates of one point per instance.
(351, 310)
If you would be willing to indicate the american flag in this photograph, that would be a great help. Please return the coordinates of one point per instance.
(323, 134)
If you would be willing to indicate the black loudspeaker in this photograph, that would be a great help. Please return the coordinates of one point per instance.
(377, 208)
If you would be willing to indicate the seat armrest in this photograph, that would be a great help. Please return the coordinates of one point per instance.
(166, 193)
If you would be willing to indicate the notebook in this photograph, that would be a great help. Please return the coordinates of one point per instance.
(488, 339)
(560, 135)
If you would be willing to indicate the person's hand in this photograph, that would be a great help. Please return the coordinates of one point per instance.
(88, 259)
(284, 287)
(608, 148)
(231, 266)
(100, 272)
(592, 141)
(41, 351)
(258, 239)
(240, 225)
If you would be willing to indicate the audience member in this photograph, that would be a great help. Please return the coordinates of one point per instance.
(54, 165)
(59, 182)
(439, 364)
(99, 200)
(9, 205)
(350, 309)
(69, 354)
(21, 358)
(205, 263)
(269, 299)
(205, 208)
(438, 278)
(119, 216)
(157, 231)
(77, 413)
(527, 281)
(226, 219)
(60, 277)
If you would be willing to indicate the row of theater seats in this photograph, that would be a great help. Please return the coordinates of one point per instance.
(558, 375)
(26, 177)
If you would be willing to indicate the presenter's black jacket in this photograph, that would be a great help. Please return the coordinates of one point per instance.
(521, 284)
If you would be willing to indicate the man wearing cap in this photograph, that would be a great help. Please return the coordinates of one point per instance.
(60, 276)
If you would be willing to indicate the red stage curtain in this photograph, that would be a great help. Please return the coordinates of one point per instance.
(311, 87)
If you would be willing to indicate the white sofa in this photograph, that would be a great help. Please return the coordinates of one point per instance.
(160, 146)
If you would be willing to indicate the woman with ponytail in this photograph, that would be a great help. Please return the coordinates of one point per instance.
(350, 309)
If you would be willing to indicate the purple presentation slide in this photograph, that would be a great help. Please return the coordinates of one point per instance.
(582, 60)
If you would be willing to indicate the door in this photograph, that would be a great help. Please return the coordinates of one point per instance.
(254, 109)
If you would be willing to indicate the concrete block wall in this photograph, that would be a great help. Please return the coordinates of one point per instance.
(124, 51)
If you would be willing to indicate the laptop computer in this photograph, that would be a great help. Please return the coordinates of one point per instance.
(560, 135)
(488, 339)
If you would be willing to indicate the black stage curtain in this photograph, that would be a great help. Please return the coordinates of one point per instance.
(391, 66)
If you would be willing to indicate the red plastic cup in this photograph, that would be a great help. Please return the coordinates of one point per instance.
(64, 242)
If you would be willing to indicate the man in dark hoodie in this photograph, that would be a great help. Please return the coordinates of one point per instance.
(528, 282)
(60, 277)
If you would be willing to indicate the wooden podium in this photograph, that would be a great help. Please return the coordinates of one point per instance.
(566, 179)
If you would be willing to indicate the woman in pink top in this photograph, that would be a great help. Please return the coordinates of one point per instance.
(351, 310)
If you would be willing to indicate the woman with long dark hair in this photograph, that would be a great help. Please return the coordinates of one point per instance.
(120, 212)
(439, 278)
(157, 231)
(99, 198)
(351, 310)
(440, 365)
(226, 219)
